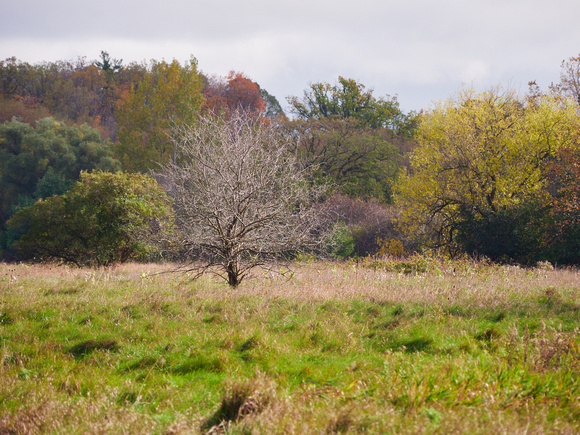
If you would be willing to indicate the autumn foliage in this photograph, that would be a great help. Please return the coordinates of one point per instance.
(492, 173)
(77, 91)
(234, 92)
(169, 93)
(562, 231)
(478, 182)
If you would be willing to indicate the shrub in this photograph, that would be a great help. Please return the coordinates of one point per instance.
(367, 227)
(514, 234)
(105, 218)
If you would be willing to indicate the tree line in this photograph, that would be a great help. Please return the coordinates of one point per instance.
(490, 173)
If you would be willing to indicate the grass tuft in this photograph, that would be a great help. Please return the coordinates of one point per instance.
(6, 319)
(85, 348)
(488, 335)
(199, 363)
(240, 401)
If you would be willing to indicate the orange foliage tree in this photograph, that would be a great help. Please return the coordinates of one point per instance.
(77, 90)
(235, 92)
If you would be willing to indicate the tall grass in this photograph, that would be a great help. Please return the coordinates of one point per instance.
(421, 347)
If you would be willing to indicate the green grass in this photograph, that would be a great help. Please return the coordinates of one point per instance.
(452, 347)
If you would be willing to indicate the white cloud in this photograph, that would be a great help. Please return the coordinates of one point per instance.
(419, 49)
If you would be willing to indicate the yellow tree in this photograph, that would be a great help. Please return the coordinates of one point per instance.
(480, 154)
(168, 93)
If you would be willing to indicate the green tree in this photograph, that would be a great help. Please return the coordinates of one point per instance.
(273, 109)
(362, 161)
(481, 155)
(169, 93)
(104, 219)
(30, 154)
(355, 139)
(14, 76)
(108, 65)
(349, 99)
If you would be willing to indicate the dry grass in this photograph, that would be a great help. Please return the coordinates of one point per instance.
(482, 285)
(479, 285)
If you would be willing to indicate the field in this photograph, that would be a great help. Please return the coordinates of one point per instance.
(429, 346)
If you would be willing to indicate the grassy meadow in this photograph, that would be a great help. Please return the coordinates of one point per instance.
(430, 346)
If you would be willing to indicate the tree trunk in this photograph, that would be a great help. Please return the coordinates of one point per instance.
(233, 274)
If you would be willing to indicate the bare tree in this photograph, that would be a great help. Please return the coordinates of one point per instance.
(241, 198)
(570, 77)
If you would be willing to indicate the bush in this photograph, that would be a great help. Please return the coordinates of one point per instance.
(105, 218)
(367, 227)
(508, 235)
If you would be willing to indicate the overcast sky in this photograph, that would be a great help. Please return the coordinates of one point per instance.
(419, 50)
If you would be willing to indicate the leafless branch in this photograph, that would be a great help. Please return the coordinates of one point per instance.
(241, 196)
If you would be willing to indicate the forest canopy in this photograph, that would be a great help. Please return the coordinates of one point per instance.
(489, 172)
